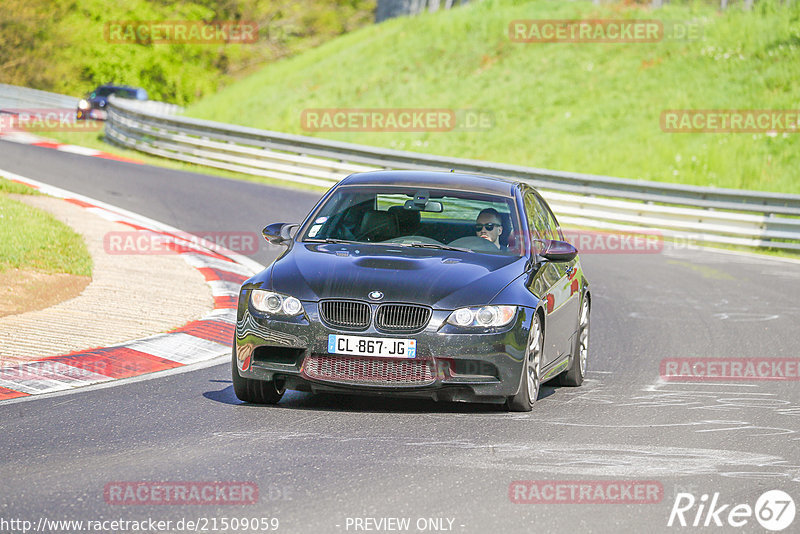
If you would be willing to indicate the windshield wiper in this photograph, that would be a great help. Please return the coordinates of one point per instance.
(442, 247)
(418, 245)
(331, 240)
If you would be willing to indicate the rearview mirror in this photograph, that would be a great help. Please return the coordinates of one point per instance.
(278, 233)
(431, 206)
(559, 251)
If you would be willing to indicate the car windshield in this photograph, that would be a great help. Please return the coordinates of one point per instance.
(415, 217)
(126, 93)
(118, 91)
(102, 91)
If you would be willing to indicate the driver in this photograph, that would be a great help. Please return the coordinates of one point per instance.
(488, 226)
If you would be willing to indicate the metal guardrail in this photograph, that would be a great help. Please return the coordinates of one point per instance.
(703, 214)
(155, 107)
(14, 97)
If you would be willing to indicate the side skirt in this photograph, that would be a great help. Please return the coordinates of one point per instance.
(556, 368)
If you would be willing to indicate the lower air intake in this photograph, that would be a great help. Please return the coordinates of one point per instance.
(379, 371)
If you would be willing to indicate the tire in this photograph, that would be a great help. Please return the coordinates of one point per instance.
(531, 376)
(574, 375)
(254, 391)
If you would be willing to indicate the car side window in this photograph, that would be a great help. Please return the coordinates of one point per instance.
(535, 222)
(548, 221)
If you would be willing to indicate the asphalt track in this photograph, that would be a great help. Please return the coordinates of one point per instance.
(321, 462)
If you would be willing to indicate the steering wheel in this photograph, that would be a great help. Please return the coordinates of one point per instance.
(475, 243)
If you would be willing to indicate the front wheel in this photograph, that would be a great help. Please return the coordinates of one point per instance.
(255, 391)
(531, 371)
(580, 351)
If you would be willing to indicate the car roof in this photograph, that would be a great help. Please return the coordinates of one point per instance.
(112, 86)
(436, 180)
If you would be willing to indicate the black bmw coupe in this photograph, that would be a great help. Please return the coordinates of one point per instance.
(445, 286)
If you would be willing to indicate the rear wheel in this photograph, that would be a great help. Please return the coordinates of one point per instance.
(531, 371)
(255, 391)
(580, 351)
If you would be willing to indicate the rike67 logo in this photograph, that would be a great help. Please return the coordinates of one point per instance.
(774, 511)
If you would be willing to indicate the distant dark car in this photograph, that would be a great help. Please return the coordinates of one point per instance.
(93, 106)
(388, 288)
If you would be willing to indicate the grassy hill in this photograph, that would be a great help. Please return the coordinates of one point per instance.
(583, 107)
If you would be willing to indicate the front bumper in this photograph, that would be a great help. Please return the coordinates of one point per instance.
(91, 113)
(479, 366)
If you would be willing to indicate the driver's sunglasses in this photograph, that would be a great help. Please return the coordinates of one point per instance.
(488, 226)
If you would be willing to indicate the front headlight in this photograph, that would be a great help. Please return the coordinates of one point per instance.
(275, 303)
(482, 316)
(83, 104)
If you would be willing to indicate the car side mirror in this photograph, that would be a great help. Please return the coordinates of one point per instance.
(279, 233)
(559, 251)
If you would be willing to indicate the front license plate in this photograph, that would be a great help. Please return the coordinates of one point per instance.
(372, 346)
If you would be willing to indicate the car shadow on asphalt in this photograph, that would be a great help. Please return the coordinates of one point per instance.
(224, 395)
(362, 403)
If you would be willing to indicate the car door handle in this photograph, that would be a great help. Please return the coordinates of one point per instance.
(569, 269)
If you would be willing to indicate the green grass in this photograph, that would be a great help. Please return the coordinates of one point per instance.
(591, 108)
(33, 239)
(7, 186)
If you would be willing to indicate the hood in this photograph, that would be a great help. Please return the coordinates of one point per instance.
(439, 278)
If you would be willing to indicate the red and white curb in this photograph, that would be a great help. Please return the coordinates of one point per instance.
(25, 138)
(197, 341)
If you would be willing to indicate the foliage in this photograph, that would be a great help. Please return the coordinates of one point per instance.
(62, 46)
